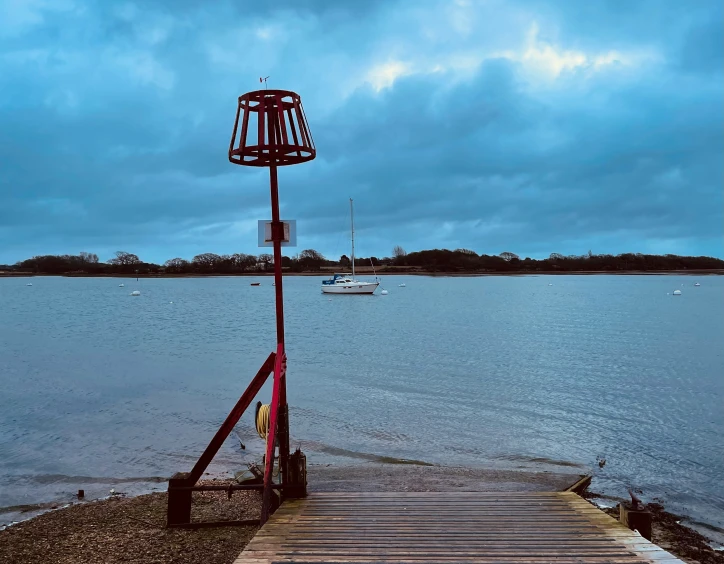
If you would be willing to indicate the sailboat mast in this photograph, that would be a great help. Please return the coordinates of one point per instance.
(351, 217)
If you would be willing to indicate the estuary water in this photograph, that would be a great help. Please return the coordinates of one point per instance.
(102, 390)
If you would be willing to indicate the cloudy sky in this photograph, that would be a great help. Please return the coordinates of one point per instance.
(531, 126)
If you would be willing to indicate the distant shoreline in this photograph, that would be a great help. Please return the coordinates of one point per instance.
(368, 271)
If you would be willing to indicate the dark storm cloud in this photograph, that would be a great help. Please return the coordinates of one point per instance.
(532, 127)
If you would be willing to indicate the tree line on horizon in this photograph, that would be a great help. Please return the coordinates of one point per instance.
(310, 260)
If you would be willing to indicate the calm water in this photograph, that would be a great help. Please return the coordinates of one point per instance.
(99, 389)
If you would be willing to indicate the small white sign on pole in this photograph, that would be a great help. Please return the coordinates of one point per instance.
(290, 233)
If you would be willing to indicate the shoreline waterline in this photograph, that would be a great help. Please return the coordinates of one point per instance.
(381, 273)
(78, 531)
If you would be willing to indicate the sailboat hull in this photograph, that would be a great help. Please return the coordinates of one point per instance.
(350, 288)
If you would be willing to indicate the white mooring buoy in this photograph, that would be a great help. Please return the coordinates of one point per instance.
(677, 292)
(135, 293)
(384, 292)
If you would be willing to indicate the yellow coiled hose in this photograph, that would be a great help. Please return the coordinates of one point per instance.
(262, 421)
(262, 426)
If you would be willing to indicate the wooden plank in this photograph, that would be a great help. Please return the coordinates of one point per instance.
(425, 527)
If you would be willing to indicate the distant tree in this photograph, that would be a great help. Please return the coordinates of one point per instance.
(399, 256)
(206, 262)
(176, 265)
(89, 258)
(309, 259)
(508, 256)
(266, 260)
(123, 258)
(226, 264)
(344, 261)
(556, 256)
(243, 262)
(466, 252)
(311, 254)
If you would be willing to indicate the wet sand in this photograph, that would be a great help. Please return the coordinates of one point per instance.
(417, 478)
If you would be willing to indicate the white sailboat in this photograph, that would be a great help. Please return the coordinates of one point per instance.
(347, 283)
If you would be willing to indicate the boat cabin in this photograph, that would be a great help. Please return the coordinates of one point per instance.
(339, 279)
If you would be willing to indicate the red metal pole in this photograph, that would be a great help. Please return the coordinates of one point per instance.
(282, 429)
(272, 436)
(277, 234)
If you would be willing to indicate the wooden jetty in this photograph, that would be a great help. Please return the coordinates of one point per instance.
(431, 527)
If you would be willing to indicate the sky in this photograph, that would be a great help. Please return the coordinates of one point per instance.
(525, 126)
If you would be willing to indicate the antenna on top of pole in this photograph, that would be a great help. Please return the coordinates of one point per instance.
(264, 81)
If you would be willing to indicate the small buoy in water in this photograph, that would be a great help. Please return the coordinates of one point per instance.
(135, 293)
(550, 284)
(677, 292)
(697, 284)
(29, 284)
(402, 285)
(384, 292)
(121, 285)
(170, 302)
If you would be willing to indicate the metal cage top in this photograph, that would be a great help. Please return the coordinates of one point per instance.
(270, 130)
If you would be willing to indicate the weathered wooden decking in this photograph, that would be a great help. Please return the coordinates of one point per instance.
(447, 527)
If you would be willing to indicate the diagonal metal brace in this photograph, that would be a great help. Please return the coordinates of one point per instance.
(179, 486)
